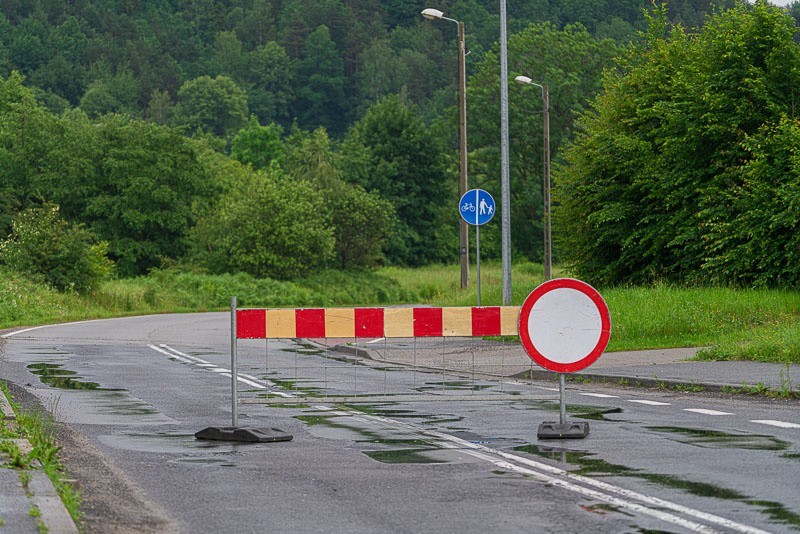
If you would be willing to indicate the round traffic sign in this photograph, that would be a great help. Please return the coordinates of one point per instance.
(476, 207)
(564, 325)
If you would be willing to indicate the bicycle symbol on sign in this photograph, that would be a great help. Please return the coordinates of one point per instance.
(476, 207)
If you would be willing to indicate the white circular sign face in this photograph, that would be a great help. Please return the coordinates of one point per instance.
(564, 325)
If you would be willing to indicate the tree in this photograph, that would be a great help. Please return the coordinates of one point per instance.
(267, 226)
(45, 246)
(268, 78)
(141, 201)
(391, 152)
(115, 94)
(687, 135)
(259, 146)
(383, 72)
(213, 105)
(26, 135)
(321, 84)
(362, 221)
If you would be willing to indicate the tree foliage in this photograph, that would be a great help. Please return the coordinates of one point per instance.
(686, 168)
(268, 226)
(43, 245)
(362, 221)
(391, 152)
(266, 47)
(214, 105)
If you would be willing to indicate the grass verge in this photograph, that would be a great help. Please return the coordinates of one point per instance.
(37, 428)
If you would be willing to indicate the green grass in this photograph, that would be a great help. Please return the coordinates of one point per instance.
(759, 325)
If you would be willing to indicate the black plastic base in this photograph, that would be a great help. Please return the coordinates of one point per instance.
(563, 430)
(249, 435)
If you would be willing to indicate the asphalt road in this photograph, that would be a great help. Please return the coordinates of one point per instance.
(130, 394)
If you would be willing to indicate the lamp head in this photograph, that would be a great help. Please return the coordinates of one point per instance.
(523, 79)
(432, 14)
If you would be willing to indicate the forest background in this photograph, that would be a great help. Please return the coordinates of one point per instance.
(294, 141)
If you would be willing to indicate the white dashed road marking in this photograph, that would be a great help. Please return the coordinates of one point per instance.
(771, 422)
(649, 402)
(706, 412)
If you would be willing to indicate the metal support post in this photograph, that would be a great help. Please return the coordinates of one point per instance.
(548, 239)
(462, 181)
(234, 369)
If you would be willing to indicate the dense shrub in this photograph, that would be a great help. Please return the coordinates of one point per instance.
(268, 226)
(44, 245)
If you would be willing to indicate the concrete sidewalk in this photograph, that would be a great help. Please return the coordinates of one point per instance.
(28, 501)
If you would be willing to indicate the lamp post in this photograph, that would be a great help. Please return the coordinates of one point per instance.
(505, 188)
(548, 252)
(463, 237)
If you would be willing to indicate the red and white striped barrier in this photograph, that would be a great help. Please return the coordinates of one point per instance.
(376, 322)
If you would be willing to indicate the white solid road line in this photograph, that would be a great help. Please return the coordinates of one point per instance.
(561, 478)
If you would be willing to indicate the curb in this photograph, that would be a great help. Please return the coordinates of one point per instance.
(628, 381)
(39, 490)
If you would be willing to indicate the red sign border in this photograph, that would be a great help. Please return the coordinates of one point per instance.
(539, 292)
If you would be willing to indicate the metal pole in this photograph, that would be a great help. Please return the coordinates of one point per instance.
(478, 244)
(505, 191)
(234, 369)
(478, 260)
(462, 182)
(562, 415)
(548, 250)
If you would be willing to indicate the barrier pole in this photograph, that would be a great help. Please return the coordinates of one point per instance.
(234, 369)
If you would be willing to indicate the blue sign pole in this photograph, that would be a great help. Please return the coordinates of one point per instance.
(477, 208)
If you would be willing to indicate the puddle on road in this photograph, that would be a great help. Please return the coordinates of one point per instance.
(460, 385)
(380, 442)
(595, 467)
(581, 411)
(721, 440)
(191, 451)
(54, 375)
(386, 410)
(404, 456)
(80, 401)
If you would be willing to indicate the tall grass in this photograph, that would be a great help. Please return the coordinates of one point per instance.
(734, 324)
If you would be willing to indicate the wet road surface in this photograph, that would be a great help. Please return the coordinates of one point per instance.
(131, 393)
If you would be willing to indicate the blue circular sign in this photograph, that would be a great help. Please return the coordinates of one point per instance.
(476, 207)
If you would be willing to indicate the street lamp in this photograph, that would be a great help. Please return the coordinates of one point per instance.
(548, 252)
(505, 187)
(435, 14)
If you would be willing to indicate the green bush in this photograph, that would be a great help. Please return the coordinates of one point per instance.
(266, 225)
(65, 256)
